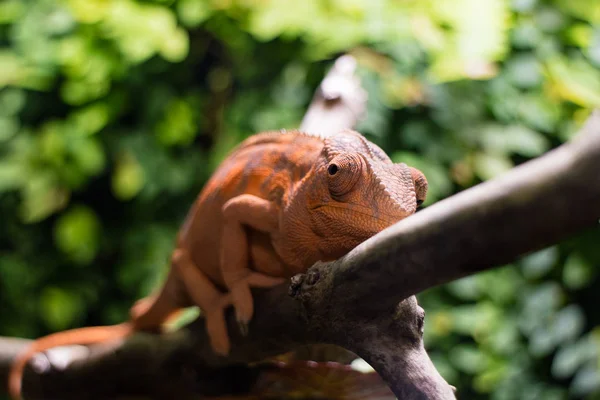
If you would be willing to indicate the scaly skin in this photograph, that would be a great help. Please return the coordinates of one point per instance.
(276, 205)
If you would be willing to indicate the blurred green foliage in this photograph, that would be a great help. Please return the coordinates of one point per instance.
(114, 112)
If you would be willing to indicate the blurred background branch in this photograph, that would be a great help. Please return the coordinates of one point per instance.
(339, 102)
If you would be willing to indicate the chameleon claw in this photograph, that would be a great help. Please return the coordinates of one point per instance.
(243, 327)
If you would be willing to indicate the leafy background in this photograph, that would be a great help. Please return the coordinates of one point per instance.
(114, 112)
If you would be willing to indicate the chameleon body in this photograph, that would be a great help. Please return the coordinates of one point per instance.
(279, 202)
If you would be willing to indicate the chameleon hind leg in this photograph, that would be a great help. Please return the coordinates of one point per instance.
(150, 313)
(258, 214)
(205, 295)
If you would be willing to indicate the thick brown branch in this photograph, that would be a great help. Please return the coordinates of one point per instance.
(183, 362)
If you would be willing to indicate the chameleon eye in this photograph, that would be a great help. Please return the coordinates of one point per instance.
(343, 173)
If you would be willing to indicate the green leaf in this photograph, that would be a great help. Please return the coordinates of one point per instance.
(193, 12)
(517, 139)
(467, 288)
(576, 81)
(580, 35)
(489, 166)
(175, 46)
(128, 178)
(11, 10)
(577, 272)
(550, 20)
(524, 71)
(468, 358)
(539, 112)
(89, 155)
(12, 100)
(12, 175)
(523, 5)
(77, 234)
(91, 119)
(539, 304)
(42, 196)
(8, 128)
(586, 381)
(501, 285)
(505, 338)
(541, 342)
(588, 11)
(178, 125)
(185, 317)
(540, 263)
(479, 40)
(486, 381)
(59, 308)
(12, 68)
(526, 34)
(568, 324)
(475, 320)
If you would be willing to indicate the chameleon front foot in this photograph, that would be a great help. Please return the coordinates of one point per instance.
(217, 327)
(205, 295)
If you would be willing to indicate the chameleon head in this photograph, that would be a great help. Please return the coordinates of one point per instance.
(358, 191)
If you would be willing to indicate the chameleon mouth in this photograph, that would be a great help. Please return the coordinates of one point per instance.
(388, 219)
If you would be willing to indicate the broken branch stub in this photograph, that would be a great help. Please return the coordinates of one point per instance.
(390, 341)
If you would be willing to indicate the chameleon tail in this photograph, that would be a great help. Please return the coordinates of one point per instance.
(82, 336)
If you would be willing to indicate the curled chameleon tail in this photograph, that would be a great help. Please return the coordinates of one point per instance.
(82, 336)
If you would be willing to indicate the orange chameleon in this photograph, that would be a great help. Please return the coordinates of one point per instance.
(280, 202)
